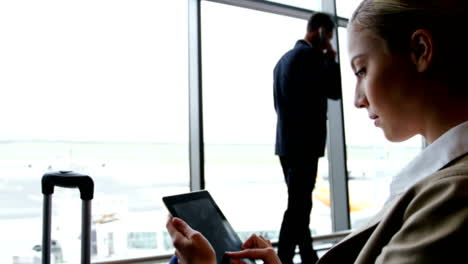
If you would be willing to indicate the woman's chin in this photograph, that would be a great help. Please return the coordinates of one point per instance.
(396, 136)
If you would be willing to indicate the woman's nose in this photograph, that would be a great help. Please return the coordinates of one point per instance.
(360, 99)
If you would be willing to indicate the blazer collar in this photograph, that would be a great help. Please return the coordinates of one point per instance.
(373, 221)
(302, 43)
(448, 147)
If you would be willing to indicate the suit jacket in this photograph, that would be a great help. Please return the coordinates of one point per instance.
(303, 80)
(426, 224)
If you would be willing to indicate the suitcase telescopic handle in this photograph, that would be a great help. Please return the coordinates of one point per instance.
(68, 179)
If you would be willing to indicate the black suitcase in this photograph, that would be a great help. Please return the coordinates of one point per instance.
(67, 179)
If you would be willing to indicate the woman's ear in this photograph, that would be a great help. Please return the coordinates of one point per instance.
(422, 49)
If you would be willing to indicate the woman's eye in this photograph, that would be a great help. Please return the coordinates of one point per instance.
(360, 72)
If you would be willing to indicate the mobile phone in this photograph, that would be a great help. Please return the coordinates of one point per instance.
(322, 36)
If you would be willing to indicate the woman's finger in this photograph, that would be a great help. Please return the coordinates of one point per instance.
(267, 241)
(255, 241)
(250, 242)
(182, 227)
(258, 253)
(268, 255)
(175, 234)
(237, 261)
(177, 230)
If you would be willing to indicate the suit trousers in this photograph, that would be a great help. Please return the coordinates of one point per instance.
(300, 174)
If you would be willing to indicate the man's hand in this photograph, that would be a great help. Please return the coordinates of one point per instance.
(191, 246)
(329, 51)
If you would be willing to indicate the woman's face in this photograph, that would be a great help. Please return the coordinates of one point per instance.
(385, 86)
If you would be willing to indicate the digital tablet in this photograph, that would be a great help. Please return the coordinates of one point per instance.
(200, 211)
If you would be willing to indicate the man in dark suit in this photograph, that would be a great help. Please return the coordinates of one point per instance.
(304, 78)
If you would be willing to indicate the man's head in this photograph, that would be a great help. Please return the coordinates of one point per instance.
(319, 28)
(318, 20)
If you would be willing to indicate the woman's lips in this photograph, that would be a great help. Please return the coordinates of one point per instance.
(375, 118)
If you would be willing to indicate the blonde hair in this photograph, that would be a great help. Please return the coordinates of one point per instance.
(395, 21)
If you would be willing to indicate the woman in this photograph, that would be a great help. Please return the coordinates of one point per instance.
(404, 54)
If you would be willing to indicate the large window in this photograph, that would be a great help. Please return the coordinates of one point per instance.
(240, 50)
(371, 159)
(98, 87)
(345, 8)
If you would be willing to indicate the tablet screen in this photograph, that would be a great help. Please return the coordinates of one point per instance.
(200, 211)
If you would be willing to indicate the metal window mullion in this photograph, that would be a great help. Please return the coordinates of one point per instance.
(276, 8)
(269, 7)
(196, 147)
(337, 150)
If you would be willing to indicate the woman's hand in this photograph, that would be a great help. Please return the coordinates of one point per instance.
(191, 246)
(256, 247)
(255, 241)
